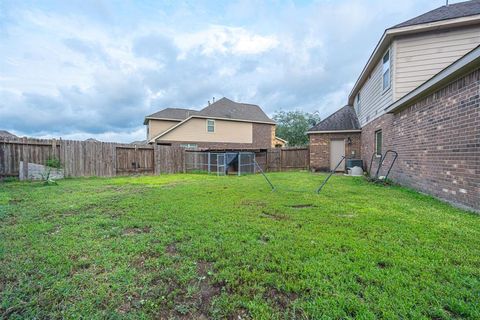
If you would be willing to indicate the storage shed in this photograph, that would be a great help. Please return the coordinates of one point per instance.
(331, 139)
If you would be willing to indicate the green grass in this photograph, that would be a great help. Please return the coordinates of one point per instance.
(197, 246)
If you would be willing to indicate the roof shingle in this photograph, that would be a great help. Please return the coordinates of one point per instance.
(223, 108)
(452, 11)
(343, 119)
(173, 113)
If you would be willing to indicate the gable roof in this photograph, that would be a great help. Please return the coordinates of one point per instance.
(344, 119)
(446, 17)
(177, 114)
(451, 11)
(228, 109)
(222, 109)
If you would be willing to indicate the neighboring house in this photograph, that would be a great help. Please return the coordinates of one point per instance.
(418, 95)
(279, 142)
(6, 134)
(224, 124)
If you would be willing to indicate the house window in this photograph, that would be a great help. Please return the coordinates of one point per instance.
(210, 125)
(386, 70)
(378, 142)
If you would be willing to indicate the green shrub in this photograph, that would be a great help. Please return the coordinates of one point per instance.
(53, 162)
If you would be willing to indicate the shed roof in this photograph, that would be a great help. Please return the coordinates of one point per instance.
(344, 119)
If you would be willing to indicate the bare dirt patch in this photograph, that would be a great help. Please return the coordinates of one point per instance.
(171, 250)
(279, 299)
(274, 215)
(207, 290)
(254, 203)
(240, 314)
(14, 201)
(302, 206)
(384, 264)
(136, 230)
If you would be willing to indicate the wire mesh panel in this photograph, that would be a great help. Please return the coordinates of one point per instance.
(196, 162)
(246, 163)
(220, 163)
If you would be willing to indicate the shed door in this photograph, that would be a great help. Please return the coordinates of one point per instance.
(337, 151)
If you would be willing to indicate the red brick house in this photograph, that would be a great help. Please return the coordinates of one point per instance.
(419, 96)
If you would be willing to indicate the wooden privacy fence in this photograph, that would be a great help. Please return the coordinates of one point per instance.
(89, 158)
(287, 159)
(106, 159)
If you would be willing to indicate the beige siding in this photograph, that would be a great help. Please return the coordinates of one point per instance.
(195, 129)
(155, 127)
(373, 99)
(420, 57)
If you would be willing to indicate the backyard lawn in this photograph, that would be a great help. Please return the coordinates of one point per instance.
(201, 247)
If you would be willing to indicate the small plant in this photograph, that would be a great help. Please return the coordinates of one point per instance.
(47, 180)
(53, 162)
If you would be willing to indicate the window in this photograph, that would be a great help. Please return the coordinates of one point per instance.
(378, 142)
(210, 125)
(386, 70)
(189, 146)
(358, 103)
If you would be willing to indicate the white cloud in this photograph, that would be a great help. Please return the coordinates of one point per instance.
(219, 39)
(95, 70)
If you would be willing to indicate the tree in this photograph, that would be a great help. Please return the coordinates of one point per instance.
(293, 125)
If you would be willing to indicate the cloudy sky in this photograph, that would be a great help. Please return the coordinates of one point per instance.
(80, 69)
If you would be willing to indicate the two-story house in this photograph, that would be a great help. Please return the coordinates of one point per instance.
(418, 95)
(223, 124)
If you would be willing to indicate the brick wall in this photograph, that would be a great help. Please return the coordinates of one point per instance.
(320, 148)
(438, 141)
(261, 139)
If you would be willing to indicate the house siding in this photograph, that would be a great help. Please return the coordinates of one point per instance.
(261, 134)
(373, 99)
(226, 131)
(438, 142)
(419, 57)
(155, 127)
(320, 148)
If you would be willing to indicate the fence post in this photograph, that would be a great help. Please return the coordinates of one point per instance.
(25, 158)
(54, 148)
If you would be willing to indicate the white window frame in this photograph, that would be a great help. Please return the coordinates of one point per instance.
(386, 71)
(210, 123)
(358, 103)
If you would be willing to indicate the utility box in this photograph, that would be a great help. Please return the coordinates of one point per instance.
(350, 163)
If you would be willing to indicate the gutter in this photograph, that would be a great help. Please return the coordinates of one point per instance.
(335, 131)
